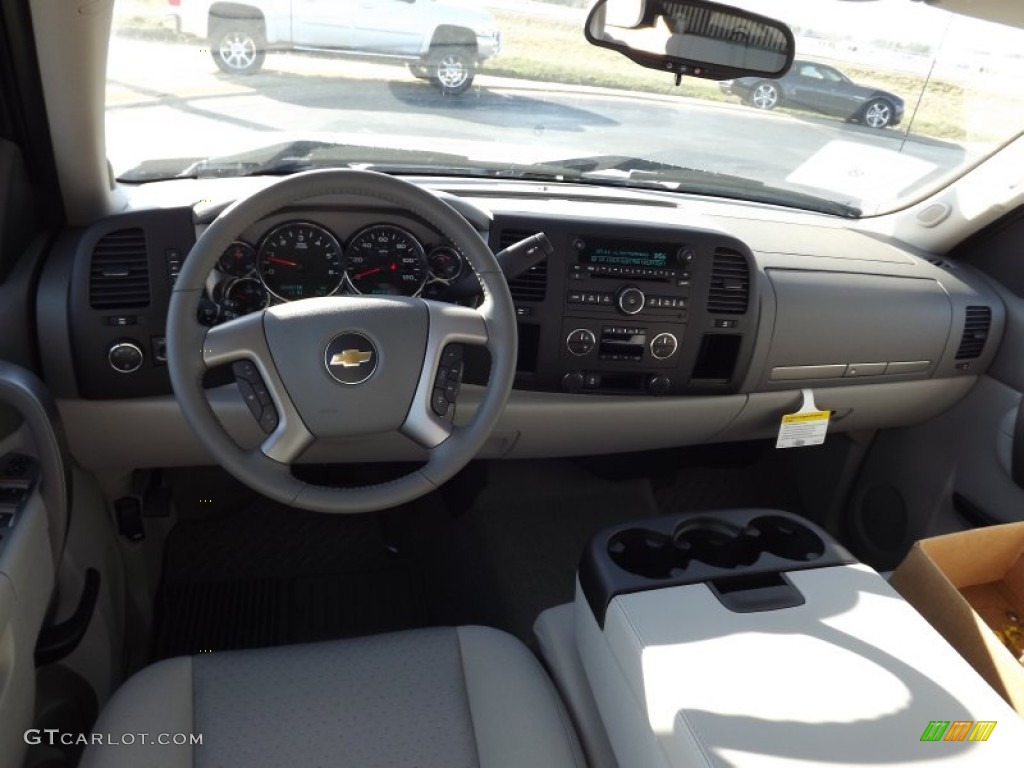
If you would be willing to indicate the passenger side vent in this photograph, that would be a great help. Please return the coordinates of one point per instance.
(119, 272)
(531, 286)
(976, 327)
(730, 283)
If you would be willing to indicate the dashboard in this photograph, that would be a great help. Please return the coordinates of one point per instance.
(653, 322)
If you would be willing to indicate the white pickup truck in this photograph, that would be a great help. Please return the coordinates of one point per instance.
(441, 41)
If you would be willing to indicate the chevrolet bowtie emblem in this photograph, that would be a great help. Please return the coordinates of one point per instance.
(351, 358)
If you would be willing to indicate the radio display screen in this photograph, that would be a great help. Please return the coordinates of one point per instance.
(626, 253)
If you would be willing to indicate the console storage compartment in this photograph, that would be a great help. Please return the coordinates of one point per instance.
(748, 638)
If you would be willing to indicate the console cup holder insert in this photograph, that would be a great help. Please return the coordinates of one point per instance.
(714, 542)
(787, 538)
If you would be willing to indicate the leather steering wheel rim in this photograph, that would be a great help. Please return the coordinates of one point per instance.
(192, 348)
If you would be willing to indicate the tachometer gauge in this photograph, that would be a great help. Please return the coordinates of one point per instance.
(445, 263)
(243, 297)
(238, 260)
(386, 260)
(298, 260)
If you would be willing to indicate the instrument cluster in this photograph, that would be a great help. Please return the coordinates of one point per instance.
(301, 259)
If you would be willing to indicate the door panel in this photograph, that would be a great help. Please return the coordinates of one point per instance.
(34, 492)
(322, 23)
(389, 26)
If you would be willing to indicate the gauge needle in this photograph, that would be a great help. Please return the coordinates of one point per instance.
(287, 263)
(367, 273)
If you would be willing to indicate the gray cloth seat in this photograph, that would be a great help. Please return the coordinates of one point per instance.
(452, 697)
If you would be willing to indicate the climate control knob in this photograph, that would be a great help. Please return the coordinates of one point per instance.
(581, 342)
(664, 345)
(125, 356)
(631, 300)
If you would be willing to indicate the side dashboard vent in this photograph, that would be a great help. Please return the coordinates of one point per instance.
(119, 271)
(730, 283)
(531, 286)
(976, 327)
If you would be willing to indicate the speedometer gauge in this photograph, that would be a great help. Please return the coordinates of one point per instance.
(386, 260)
(299, 260)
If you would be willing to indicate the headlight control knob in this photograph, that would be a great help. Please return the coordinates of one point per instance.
(125, 356)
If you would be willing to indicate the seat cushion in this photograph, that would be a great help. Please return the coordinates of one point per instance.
(470, 696)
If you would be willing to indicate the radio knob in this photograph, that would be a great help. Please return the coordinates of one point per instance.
(631, 300)
(125, 357)
(659, 385)
(572, 382)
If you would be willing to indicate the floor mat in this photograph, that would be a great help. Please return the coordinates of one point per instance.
(531, 525)
(270, 575)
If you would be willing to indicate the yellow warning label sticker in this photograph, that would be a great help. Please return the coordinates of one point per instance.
(808, 426)
(804, 418)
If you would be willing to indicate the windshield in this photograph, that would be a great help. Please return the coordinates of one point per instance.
(886, 101)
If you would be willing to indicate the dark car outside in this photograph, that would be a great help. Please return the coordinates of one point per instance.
(821, 88)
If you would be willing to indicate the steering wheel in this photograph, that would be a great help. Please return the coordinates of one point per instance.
(343, 366)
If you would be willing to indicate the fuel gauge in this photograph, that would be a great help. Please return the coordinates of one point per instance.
(238, 259)
(445, 263)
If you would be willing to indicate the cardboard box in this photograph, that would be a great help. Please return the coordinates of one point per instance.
(965, 584)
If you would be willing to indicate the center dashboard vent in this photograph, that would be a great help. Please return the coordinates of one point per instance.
(531, 286)
(730, 283)
(976, 327)
(119, 271)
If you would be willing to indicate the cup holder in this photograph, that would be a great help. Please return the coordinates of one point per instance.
(787, 539)
(644, 553)
(713, 542)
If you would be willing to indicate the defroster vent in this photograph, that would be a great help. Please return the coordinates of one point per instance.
(976, 327)
(730, 283)
(119, 272)
(531, 286)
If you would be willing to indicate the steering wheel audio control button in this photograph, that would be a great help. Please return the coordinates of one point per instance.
(447, 381)
(255, 394)
(439, 403)
(268, 422)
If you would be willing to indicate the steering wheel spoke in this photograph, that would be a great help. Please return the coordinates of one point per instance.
(429, 421)
(243, 342)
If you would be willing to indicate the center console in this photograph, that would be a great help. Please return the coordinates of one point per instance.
(622, 308)
(748, 638)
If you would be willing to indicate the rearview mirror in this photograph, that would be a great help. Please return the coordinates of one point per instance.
(692, 37)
